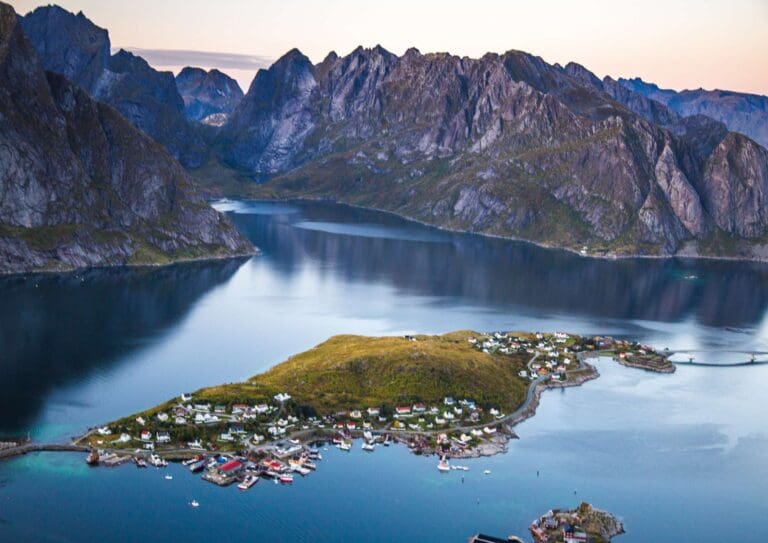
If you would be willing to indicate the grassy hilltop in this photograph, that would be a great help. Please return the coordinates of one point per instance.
(350, 372)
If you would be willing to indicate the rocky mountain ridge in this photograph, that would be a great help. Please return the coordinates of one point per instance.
(506, 145)
(740, 112)
(71, 45)
(208, 93)
(80, 186)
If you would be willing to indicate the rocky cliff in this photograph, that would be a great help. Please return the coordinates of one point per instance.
(209, 97)
(506, 145)
(71, 45)
(80, 186)
(740, 112)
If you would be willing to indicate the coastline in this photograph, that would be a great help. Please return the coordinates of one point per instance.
(146, 265)
(538, 244)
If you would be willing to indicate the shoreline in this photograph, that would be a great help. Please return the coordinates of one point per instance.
(148, 266)
(538, 244)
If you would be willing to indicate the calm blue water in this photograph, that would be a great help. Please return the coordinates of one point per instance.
(678, 458)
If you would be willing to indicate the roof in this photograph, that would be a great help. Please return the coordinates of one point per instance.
(229, 466)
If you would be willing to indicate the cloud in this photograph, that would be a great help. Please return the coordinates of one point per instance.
(161, 58)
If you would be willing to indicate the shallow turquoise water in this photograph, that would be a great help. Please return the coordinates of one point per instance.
(679, 458)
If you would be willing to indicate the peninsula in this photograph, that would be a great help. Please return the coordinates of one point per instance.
(457, 395)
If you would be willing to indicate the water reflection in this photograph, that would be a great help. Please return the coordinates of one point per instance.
(486, 271)
(55, 329)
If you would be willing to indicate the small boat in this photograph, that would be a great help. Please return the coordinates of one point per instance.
(157, 461)
(301, 470)
(286, 479)
(168, 477)
(443, 465)
(487, 472)
(197, 466)
(194, 503)
(368, 447)
(386, 441)
(140, 462)
(248, 482)
(190, 461)
(93, 458)
(310, 465)
(345, 446)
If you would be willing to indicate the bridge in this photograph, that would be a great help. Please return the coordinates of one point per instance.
(752, 360)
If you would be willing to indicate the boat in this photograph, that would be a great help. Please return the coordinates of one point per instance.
(140, 462)
(248, 482)
(93, 458)
(386, 441)
(286, 478)
(344, 446)
(194, 503)
(368, 447)
(487, 472)
(301, 470)
(443, 465)
(156, 461)
(310, 465)
(168, 477)
(197, 466)
(190, 461)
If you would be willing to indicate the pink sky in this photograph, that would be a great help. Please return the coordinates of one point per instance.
(674, 43)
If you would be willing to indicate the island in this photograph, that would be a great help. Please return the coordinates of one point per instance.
(585, 523)
(456, 395)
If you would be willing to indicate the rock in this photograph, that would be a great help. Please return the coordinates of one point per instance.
(80, 186)
(207, 93)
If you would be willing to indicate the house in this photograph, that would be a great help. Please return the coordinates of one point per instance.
(439, 420)
(282, 397)
(356, 414)
(373, 411)
(180, 420)
(124, 438)
(403, 410)
(448, 415)
(239, 408)
(488, 430)
(494, 411)
(419, 408)
(141, 421)
(476, 433)
(145, 435)
(105, 431)
(448, 400)
(162, 417)
(261, 408)
(163, 437)
(220, 409)
(186, 397)
(236, 429)
(226, 437)
(204, 407)
(573, 534)
(351, 426)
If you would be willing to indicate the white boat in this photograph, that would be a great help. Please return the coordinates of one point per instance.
(248, 482)
(168, 477)
(286, 479)
(194, 503)
(487, 472)
(368, 446)
(156, 461)
(301, 470)
(443, 465)
(344, 446)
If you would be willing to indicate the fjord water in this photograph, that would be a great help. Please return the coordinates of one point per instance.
(678, 457)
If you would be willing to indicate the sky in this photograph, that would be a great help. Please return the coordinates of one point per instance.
(675, 43)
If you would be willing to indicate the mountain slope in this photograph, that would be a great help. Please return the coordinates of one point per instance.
(504, 144)
(71, 45)
(207, 93)
(80, 186)
(740, 112)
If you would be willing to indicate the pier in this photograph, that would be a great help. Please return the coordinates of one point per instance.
(40, 447)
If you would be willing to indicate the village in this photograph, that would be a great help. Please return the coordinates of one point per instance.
(280, 438)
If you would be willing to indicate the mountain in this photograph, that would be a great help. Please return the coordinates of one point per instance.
(80, 186)
(506, 145)
(740, 112)
(207, 94)
(71, 45)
